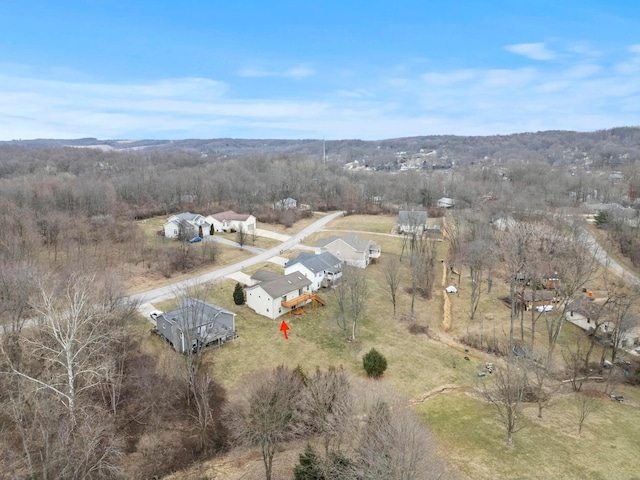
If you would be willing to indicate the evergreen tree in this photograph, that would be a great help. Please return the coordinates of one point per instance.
(238, 294)
(374, 363)
(309, 466)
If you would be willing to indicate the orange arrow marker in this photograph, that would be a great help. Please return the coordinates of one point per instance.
(283, 328)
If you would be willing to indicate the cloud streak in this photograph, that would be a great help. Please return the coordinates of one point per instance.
(575, 92)
(533, 51)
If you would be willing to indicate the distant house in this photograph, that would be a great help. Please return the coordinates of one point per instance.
(287, 204)
(411, 221)
(350, 249)
(322, 269)
(280, 295)
(195, 324)
(530, 299)
(231, 221)
(186, 225)
(446, 202)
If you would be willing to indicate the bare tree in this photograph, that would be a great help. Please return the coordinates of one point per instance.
(73, 336)
(55, 384)
(242, 236)
(267, 412)
(574, 355)
(352, 293)
(586, 403)
(506, 394)
(575, 262)
(393, 444)
(327, 405)
(391, 270)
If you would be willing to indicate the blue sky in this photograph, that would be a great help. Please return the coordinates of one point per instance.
(311, 69)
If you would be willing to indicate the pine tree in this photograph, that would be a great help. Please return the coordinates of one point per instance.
(374, 363)
(309, 466)
(238, 294)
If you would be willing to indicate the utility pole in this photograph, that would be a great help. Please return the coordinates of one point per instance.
(324, 153)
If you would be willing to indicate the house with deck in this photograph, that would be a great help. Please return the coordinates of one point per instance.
(350, 249)
(323, 270)
(279, 295)
(195, 324)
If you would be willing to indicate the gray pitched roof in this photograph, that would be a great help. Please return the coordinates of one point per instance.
(187, 216)
(284, 284)
(230, 215)
(192, 313)
(317, 263)
(351, 239)
(264, 275)
(412, 217)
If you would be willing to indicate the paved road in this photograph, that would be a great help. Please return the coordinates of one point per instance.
(605, 259)
(171, 291)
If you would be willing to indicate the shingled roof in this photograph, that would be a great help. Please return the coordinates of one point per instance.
(317, 263)
(229, 215)
(284, 284)
(351, 239)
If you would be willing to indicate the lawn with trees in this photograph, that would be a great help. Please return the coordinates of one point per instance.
(87, 391)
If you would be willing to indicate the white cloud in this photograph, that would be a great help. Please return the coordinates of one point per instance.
(575, 92)
(448, 78)
(300, 71)
(534, 51)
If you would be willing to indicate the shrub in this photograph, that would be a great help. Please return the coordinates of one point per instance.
(309, 466)
(374, 363)
(238, 294)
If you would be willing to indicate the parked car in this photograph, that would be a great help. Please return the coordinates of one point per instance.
(195, 240)
(451, 289)
(155, 314)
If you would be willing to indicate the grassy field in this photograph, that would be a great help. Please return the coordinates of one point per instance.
(467, 429)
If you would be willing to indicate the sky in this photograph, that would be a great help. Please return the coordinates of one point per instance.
(350, 69)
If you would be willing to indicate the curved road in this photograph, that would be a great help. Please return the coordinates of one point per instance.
(606, 260)
(171, 291)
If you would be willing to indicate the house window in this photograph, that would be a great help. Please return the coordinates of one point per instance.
(279, 309)
(284, 298)
(300, 291)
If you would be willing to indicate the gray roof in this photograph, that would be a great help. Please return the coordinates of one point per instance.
(284, 284)
(192, 313)
(317, 263)
(187, 216)
(357, 243)
(264, 275)
(412, 217)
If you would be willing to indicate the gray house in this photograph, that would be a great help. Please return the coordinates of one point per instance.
(412, 221)
(322, 270)
(195, 324)
(350, 249)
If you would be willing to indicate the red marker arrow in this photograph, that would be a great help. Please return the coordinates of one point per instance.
(283, 328)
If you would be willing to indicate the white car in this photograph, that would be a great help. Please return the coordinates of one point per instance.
(155, 314)
(451, 289)
(544, 308)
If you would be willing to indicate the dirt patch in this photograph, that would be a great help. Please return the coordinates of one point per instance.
(435, 391)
